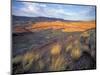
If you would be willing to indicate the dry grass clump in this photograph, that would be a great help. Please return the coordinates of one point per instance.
(69, 47)
(17, 59)
(41, 64)
(75, 53)
(85, 34)
(73, 48)
(56, 49)
(57, 63)
(26, 60)
(29, 58)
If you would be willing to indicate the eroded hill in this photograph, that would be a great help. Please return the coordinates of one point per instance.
(57, 25)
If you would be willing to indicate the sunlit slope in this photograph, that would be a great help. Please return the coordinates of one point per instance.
(57, 25)
(64, 26)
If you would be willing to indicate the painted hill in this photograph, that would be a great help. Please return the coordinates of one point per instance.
(56, 25)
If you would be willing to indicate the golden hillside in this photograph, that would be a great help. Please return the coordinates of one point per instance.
(58, 25)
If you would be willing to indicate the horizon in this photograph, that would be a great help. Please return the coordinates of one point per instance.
(51, 10)
(56, 18)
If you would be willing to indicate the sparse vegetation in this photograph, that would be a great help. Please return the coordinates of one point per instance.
(54, 46)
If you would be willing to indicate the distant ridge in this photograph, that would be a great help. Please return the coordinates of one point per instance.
(38, 19)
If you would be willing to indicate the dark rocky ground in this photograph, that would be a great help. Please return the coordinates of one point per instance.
(32, 52)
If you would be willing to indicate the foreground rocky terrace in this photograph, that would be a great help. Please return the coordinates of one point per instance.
(54, 46)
